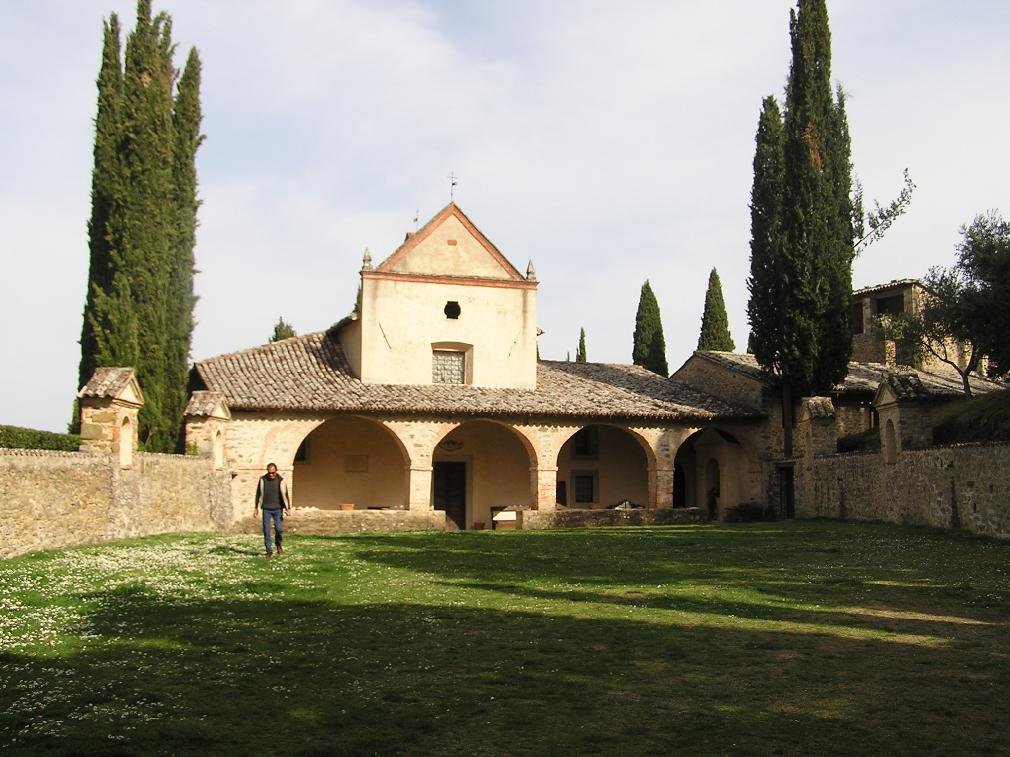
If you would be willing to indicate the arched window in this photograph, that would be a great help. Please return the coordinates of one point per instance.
(890, 443)
(218, 449)
(126, 443)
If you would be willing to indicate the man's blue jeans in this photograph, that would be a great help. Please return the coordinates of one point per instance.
(276, 517)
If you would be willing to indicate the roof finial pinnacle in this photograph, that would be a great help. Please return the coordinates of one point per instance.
(366, 261)
(453, 181)
(531, 274)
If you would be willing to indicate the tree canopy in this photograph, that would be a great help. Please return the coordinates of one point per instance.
(139, 302)
(580, 353)
(714, 321)
(282, 330)
(649, 347)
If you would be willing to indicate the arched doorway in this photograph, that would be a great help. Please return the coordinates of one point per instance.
(712, 487)
(890, 443)
(718, 472)
(600, 466)
(477, 468)
(350, 460)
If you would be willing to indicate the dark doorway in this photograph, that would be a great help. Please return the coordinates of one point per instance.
(787, 493)
(450, 491)
(679, 486)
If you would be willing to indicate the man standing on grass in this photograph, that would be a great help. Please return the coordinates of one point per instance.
(272, 495)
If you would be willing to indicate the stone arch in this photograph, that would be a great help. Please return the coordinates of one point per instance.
(479, 466)
(350, 460)
(717, 471)
(126, 442)
(601, 464)
(217, 449)
(890, 443)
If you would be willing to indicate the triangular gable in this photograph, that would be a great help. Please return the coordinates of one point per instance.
(208, 405)
(113, 383)
(450, 245)
(885, 394)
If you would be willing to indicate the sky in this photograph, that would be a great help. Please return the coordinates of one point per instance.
(608, 142)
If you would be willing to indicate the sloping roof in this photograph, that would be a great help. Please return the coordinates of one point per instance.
(863, 378)
(310, 373)
(108, 383)
(819, 407)
(203, 404)
(884, 287)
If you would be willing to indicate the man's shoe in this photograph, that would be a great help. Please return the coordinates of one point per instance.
(280, 549)
(270, 554)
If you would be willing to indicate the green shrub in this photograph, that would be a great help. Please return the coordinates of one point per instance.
(864, 441)
(985, 418)
(14, 437)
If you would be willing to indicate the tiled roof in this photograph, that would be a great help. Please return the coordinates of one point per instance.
(884, 287)
(819, 407)
(310, 373)
(204, 404)
(106, 382)
(862, 377)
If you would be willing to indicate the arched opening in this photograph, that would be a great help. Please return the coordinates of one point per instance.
(718, 472)
(601, 466)
(890, 443)
(126, 442)
(712, 488)
(479, 468)
(350, 462)
(217, 447)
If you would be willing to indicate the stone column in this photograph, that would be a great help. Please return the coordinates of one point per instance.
(661, 487)
(419, 488)
(545, 481)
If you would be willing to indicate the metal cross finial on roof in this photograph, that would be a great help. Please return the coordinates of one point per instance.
(417, 214)
(452, 185)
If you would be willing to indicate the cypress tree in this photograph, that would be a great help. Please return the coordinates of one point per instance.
(147, 212)
(649, 350)
(282, 330)
(139, 307)
(186, 118)
(766, 283)
(106, 186)
(714, 321)
(817, 213)
(580, 354)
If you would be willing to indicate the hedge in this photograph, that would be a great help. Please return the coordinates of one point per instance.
(14, 437)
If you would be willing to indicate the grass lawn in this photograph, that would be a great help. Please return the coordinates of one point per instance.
(790, 638)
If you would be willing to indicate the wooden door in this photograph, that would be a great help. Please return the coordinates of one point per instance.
(450, 491)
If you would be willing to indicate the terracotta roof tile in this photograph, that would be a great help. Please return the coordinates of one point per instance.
(310, 373)
(203, 403)
(106, 382)
(862, 377)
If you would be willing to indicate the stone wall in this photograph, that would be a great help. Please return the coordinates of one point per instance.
(62, 499)
(539, 519)
(963, 487)
(312, 522)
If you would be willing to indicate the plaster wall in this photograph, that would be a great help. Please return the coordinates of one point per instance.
(620, 465)
(402, 319)
(351, 460)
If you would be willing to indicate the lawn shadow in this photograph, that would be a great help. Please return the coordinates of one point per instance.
(183, 677)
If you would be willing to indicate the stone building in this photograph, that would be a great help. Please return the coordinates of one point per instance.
(432, 396)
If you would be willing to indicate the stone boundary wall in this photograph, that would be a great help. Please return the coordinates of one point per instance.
(966, 487)
(313, 522)
(64, 499)
(540, 519)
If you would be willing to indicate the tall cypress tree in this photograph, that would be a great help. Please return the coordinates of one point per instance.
(107, 184)
(802, 248)
(140, 289)
(649, 350)
(714, 321)
(817, 212)
(186, 119)
(580, 354)
(765, 283)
